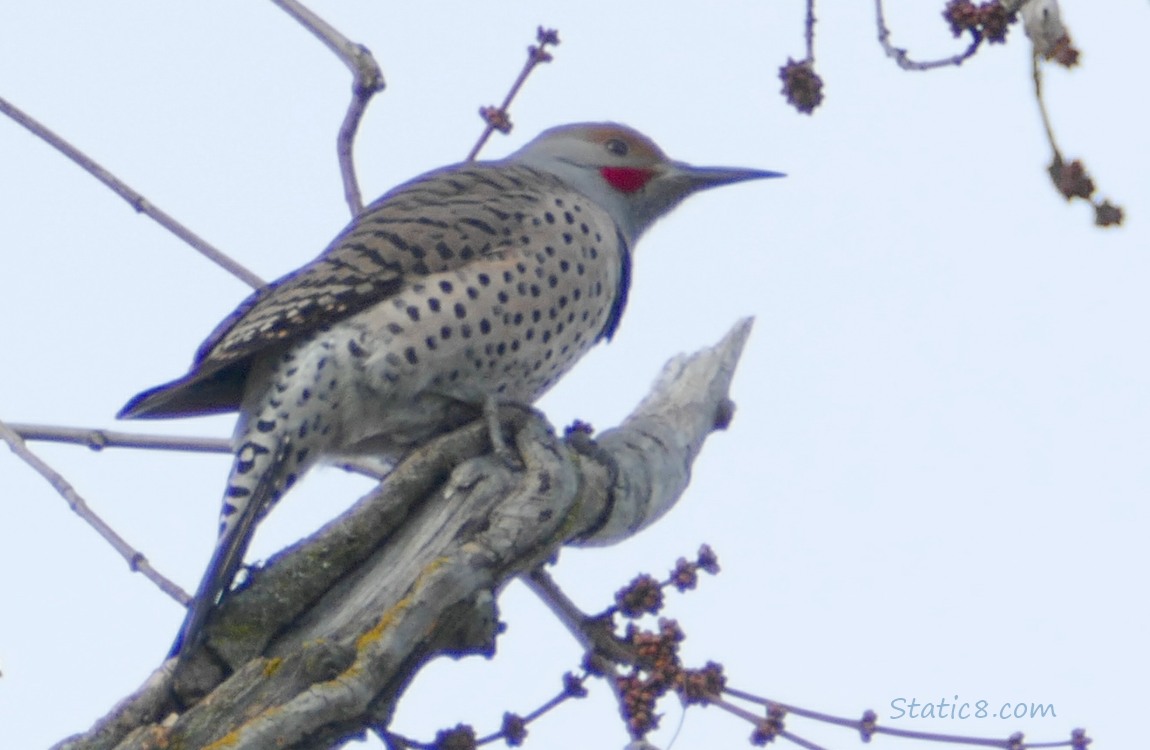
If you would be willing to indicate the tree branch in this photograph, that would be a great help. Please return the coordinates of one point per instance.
(900, 55)
(368, 80)
(137, 201)
(322, 642)
(136, 560)
(499, 118)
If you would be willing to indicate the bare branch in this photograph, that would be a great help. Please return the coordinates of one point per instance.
(499, 118)
(1037, 73)
(310, 654)
(137, 201)
(900, 56)
(98, 439)
(867, 726)
(136, 560)
(368, 81)
(809, 32)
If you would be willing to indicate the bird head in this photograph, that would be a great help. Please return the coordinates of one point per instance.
(624, 171)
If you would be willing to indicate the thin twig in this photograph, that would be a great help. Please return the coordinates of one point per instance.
(136, 560)
(137, 201)
(98, 439)
(901, 57)
(590, 632)
(810, 31)
(499, 118)
(368, 81)
(1042, 108)
(866, 725)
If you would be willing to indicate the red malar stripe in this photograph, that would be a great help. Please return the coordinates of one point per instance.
(626, 179)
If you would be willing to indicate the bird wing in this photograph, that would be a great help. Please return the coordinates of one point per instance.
(435, 223)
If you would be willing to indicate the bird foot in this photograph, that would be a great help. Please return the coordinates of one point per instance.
(497, 416)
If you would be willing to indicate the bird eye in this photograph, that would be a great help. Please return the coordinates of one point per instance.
(616, 146)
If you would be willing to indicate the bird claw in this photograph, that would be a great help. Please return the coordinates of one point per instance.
(499, 445)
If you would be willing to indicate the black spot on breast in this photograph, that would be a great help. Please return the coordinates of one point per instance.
(445, 333)
(431, 343)
(460, 310)
(446, 287)
(266, 425)
(413, 312)
(409, 355)
(472, 292)
(484, 279)
(484, 326)
(433, 304)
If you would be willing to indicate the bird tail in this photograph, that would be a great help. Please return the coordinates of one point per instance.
(193, 395)
(236, 529)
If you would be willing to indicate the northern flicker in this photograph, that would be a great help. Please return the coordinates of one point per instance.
(473, 285)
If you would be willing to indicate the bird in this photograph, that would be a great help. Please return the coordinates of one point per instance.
(471, 286)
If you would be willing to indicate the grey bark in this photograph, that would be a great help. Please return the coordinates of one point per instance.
(319, 646)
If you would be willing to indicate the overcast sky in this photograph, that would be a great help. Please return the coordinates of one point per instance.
(936, 483)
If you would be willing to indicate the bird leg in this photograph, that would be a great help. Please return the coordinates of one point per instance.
(495, 433)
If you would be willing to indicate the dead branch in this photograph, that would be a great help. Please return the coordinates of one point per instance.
(321, 643)
(136, 560)
(368, 80)
(134, 199)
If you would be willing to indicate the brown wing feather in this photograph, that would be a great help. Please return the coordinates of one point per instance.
(435, 223)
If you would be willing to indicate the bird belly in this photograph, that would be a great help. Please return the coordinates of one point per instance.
(505, 329)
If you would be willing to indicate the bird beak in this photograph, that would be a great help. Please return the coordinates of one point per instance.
(701, 178)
